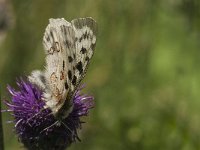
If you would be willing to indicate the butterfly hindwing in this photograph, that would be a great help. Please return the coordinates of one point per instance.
(85, 41)
(37, 77)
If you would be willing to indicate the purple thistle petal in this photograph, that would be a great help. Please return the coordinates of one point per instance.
(36, 127)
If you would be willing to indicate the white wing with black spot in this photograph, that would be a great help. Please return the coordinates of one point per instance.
(59, 45)
(69, 48)
(85, 42)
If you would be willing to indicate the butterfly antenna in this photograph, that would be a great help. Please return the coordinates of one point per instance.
(67, 127)
(36, 114)
(73, 134)
(55, 123)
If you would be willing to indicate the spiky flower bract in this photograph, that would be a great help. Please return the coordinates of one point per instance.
(36, 127)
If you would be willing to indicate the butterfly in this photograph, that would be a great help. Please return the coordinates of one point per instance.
(69, 47)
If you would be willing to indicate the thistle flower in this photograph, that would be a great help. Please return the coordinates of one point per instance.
(36, 127)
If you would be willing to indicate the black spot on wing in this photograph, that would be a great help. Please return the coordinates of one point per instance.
(86, 35)
(51, 33)
(68, 44)
(56, 46)
(65, 31)
(81, 38)
(66, 85)
(70, 59)
(47, 38)
(83, 50)
(70, 75)
(93, 46)
(74, 80)
(79, 66)
(42, 78)
(63, 64)
(87, 58)
(74, 56)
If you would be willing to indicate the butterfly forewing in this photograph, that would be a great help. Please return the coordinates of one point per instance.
(59, 44)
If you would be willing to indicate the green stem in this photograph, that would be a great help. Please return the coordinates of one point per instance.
(1, 127)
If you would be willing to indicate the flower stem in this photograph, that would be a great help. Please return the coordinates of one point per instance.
(1, 127)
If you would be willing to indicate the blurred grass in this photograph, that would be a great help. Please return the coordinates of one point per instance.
(144, 75)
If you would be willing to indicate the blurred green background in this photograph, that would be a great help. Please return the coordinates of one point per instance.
(145, 73)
